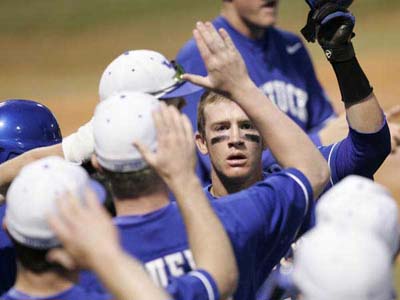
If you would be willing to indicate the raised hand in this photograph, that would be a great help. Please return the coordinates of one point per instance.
(226, 69)
(85, 231)
(175, 156)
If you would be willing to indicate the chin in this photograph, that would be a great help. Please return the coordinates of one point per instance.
(238, 174)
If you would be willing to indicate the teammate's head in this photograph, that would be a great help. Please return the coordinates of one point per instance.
(32, 196)
(226, 133)
(358, 202)
(148, 72)
(251, 13)
(118, 121)
(24, 125)
(332, 263)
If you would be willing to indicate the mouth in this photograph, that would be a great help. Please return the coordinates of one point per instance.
(237, 159)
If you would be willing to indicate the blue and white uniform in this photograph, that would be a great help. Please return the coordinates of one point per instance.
(359, 154)
(73, 293)
(279, 65)
(261, 222)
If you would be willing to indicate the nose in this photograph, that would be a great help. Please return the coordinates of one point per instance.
(235, 137)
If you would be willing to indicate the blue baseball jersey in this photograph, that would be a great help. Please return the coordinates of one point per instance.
(280, 66)
(360, 154)
(73, 293)
(195, 285)
(261, 222)
(8, 266)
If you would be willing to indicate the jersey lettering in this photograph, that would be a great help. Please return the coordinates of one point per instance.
(288, 98)
(174, 264)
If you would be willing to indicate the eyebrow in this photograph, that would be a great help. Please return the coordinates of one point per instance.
(230, 121)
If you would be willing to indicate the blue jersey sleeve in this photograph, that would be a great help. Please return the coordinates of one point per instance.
(270, 213)
(195, 285)
(358, 154)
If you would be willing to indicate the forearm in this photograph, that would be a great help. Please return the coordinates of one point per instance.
(365, 116)
(126, 279)
(208, 240)
(287, 142)
(10, 169)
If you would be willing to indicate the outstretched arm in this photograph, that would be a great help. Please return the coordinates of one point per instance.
(175, 161)
(227, 75)
(368, 142)
(76, 148)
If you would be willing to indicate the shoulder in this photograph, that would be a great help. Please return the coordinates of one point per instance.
(284, 35)
(78, 293)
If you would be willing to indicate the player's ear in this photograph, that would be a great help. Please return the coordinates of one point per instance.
(95, 163)
(201, 143)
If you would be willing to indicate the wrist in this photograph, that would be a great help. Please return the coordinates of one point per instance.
(243, 89)
(183, 183)
(353, 83)
(99, 255)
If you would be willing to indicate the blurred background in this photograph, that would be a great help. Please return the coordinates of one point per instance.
(54, 51)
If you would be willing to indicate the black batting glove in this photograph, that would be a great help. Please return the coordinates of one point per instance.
(332, 25)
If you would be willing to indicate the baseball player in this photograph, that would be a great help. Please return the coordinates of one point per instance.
(30, 199)
(211, 249)
(354, 204)
(235, 146)
(280, 66)
(368, 127)
(26, 125)
(138, 71)
(257, 219)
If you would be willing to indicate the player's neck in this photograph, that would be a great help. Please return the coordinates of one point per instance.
(44, 284)
(240, 25)
(143, 204)
(222, 186)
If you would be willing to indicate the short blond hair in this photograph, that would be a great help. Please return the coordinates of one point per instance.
(208, 97)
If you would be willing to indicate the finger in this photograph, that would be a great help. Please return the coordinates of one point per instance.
(198, 80)
(393, 112)
(146, 153)
(93, 204)
(218, 43)
(62, 257)
(227, 39)
(66, 213)
(175, 125)
(158, 118)
(187, 125)
(208, 39)
(205, 53)
(60, 228)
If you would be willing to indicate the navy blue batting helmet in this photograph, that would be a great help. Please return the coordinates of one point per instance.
(24, 125)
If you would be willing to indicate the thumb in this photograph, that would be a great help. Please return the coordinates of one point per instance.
(198, 80)
(60, 256)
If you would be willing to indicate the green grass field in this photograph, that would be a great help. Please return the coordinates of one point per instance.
(55, 50)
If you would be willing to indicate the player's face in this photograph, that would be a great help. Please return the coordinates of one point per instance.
(258, 13)
(234, 145)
